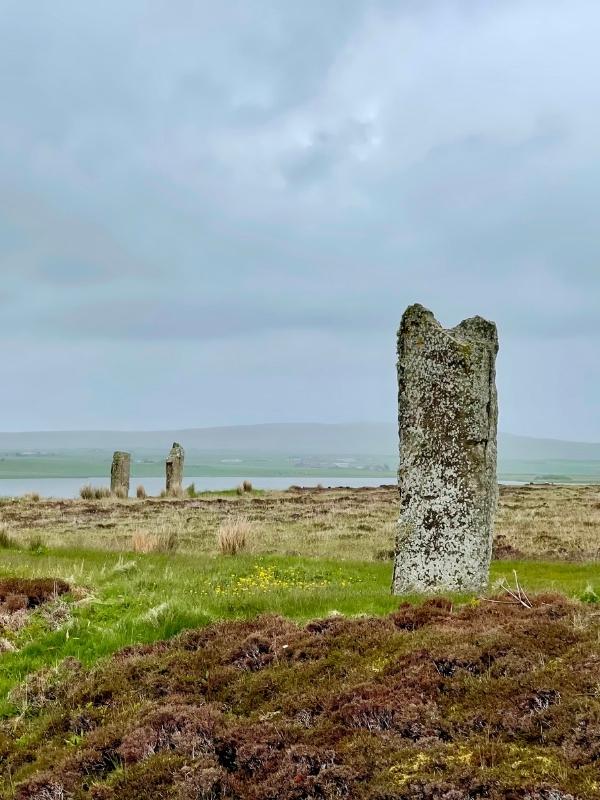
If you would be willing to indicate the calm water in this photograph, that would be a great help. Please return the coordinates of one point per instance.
(69, 487)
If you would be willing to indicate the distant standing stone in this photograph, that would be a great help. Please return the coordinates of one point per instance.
(175, 469)
(447, 415)
(119, 474)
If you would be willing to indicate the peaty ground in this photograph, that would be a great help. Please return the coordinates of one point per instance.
(458, 699)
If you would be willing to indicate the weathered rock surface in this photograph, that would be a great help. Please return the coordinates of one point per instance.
(119, 474)
(447, 415)
(174, 467)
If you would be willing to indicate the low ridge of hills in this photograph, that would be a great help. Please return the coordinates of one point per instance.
(282, 438)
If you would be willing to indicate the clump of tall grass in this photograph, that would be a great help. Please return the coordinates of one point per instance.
(32, 497)
(140, 493)
(36, 544)
(6, 540)
(145, 542)
(247, 486)
(89, 492)
(234, 535)
(191, 490)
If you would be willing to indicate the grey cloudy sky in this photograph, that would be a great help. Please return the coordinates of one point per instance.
(215, 213)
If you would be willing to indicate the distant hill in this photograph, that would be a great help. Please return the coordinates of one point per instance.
(300, 438)
(285, 438)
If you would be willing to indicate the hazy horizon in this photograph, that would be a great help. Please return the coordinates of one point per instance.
(391, 428)
(216, 214)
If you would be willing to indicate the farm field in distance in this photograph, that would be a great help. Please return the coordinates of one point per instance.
(377, 700)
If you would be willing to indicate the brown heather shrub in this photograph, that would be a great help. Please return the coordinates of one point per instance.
(140, 493)
(16, 602)
(180, 727)
(247, 486)
(35, 590)
(234, 535)
(41, 688)
(488, 700)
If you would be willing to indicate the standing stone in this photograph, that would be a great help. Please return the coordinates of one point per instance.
(447, 415)
(119, 474)
(175, 469)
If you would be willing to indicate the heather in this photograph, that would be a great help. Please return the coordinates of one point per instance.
(486, 699)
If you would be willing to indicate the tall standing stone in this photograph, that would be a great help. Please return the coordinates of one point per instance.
(447, 415)
(175, 469)
(119, 474)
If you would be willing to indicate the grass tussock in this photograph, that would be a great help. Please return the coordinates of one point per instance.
(36, 544)
(145, 542)
(31, 497)
(140, 493)
(89, 492)
(430, 702)
(6, 540)
(234, 535)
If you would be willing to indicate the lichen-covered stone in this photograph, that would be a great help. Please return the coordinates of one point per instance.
(447, 415)
(174, 467)
(119, 474)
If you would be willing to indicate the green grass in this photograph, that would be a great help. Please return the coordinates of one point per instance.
(132, 598)
(96, 464)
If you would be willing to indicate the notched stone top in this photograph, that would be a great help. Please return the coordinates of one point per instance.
(476, 329)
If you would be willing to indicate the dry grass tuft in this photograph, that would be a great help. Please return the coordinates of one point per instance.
(32, 497)
(140, 493)
(146, 542)
(6, 540)
(234, 535)
(247, 486)
(89, 492)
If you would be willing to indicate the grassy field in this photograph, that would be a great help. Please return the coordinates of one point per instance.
(534, 522)
(143, 571)
(96, 464)
(123, 599)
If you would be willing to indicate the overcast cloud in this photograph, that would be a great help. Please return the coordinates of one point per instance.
(215, 213)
